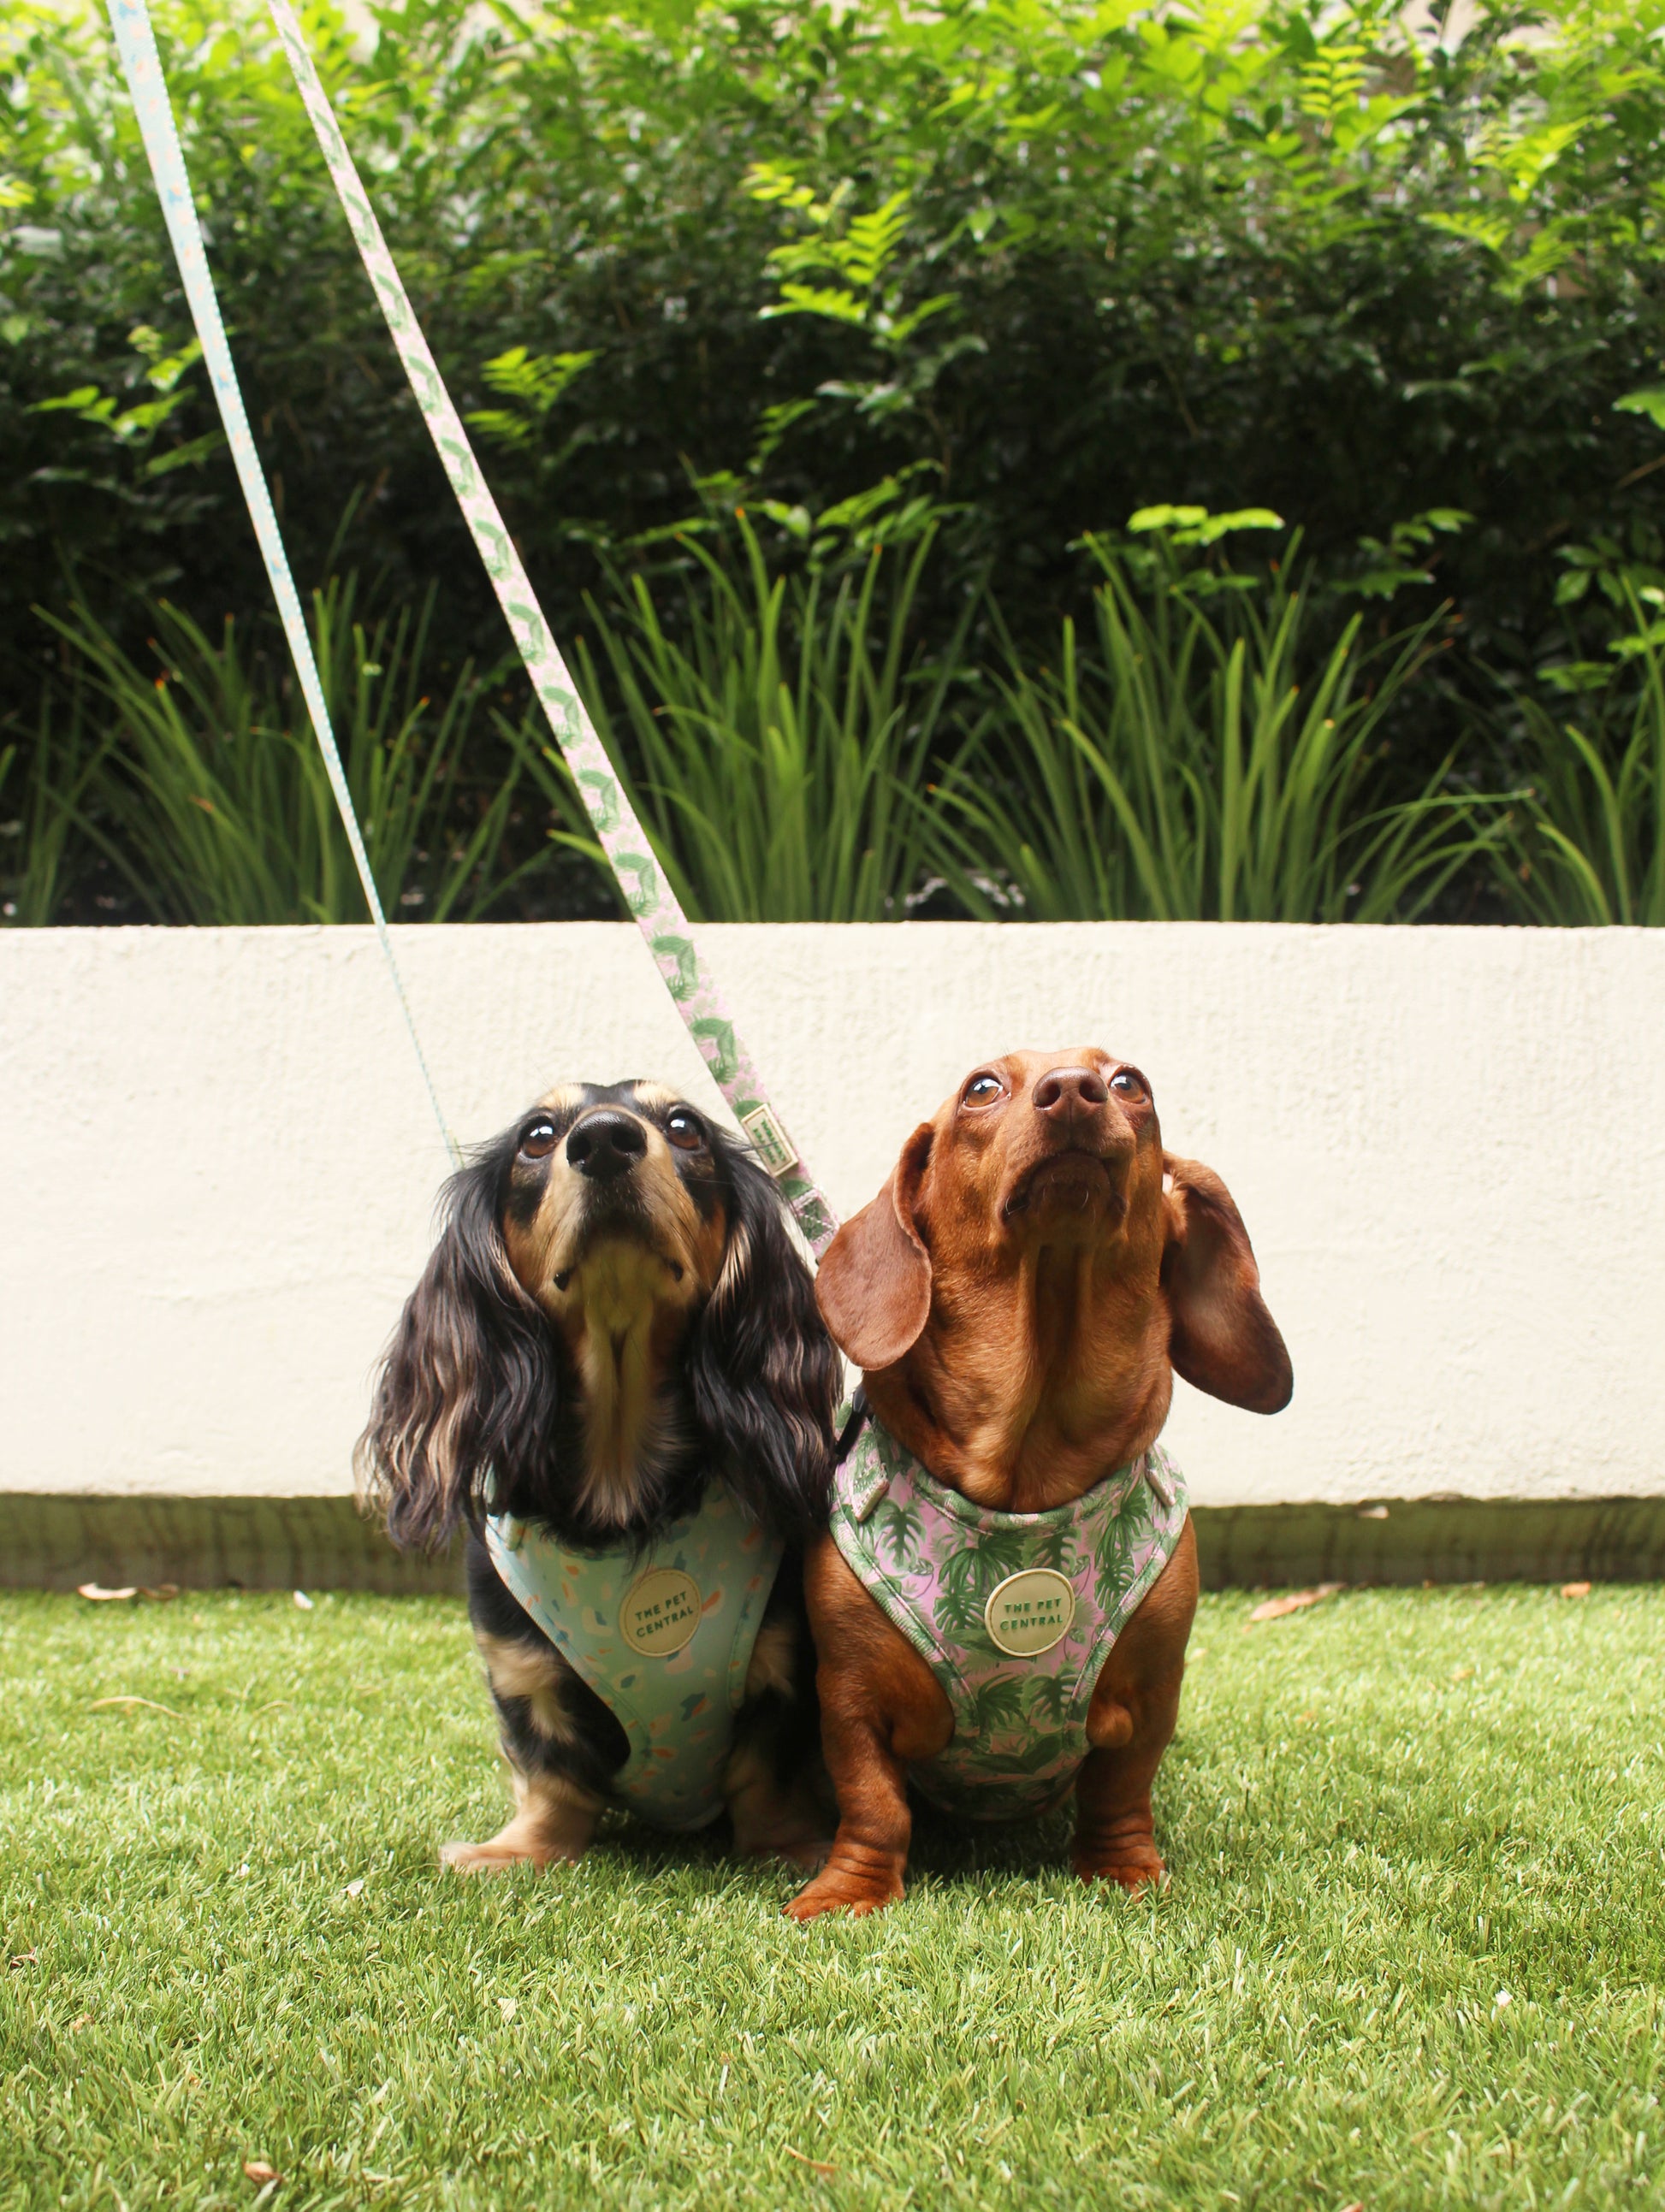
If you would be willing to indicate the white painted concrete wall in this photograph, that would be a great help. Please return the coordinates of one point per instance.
(217, 1167)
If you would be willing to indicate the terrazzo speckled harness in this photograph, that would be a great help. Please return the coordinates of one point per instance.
(1015, 1614)
(663, 1636)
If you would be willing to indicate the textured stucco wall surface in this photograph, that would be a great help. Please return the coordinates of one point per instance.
(217, 1168)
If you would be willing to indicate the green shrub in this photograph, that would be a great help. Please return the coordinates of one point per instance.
(1077, 259)
(1051, 264)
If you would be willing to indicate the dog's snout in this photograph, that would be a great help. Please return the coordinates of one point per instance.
(1062, 1091)
(605, 1143)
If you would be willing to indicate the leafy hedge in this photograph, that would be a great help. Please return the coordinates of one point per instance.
(1038, 265)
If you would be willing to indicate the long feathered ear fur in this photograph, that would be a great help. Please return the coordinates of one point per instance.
(764, 1372)
(473, 1382)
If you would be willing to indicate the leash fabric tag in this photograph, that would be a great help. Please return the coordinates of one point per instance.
(650, 899)
(769, 1140)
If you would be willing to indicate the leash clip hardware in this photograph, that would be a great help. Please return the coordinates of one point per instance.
(769, 1140)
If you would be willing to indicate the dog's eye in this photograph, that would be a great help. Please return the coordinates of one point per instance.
(538, 1140)
(983, 1088)
(684, 1133)
(1126, 1084)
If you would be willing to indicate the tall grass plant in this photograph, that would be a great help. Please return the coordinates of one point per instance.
(1199, 757)
(1584, 839)
(214, 802)
(44, 785)
(772, 736)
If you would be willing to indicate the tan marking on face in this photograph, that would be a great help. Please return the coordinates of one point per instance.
(620, 1289)
(522, 1670)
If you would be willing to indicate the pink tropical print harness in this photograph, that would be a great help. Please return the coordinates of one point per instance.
(1013, 1613)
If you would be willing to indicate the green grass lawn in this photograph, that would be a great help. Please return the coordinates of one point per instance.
(1411, 1952)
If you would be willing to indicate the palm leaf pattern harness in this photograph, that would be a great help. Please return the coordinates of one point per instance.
(1013, 1613)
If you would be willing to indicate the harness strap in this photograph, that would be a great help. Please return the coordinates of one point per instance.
(650, 899)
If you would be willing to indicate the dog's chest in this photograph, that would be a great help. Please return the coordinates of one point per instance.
(1015, 1613)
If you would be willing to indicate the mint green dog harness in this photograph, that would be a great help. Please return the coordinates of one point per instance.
(663, 1636)
(1013, 1613)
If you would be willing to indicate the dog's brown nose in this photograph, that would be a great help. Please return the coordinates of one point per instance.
(605, 1143)
(1064, 1092)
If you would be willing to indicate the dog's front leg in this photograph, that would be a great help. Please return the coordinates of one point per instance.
(1130, 1723)
(554, 1818)
(882, 1708)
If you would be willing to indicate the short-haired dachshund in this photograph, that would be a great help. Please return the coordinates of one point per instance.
(614, 1317)
(1020, 1296)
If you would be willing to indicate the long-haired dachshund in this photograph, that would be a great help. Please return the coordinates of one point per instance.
(613, 1373)
(1002, 1601)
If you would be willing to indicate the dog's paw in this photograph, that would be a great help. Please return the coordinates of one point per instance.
(834, 1892)
(498, 1857)
(1133, 1869)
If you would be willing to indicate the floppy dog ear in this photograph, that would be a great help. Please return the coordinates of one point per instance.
(471, 1382)
(874, 1286)
(1221, 1338)
(763, 1372)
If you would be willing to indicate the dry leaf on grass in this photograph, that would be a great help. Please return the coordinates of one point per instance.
(25, 1958)
(1575, 1589)
(1274, 1608)
(257, 2170)
(815, 2165)
(356, 1888)
(99, 1596)
(508, 2007)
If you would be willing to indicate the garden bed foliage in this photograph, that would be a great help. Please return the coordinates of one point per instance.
(849, 346)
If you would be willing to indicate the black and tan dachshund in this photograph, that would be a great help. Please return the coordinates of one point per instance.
(613, 1331)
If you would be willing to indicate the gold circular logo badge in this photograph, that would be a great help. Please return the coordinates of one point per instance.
(660, 1613)
(1028, 1613)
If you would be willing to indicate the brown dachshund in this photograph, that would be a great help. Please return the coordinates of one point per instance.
(1018, 1299)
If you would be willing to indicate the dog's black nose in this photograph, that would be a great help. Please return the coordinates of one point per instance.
(1061, 1090)
(605, 1143)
